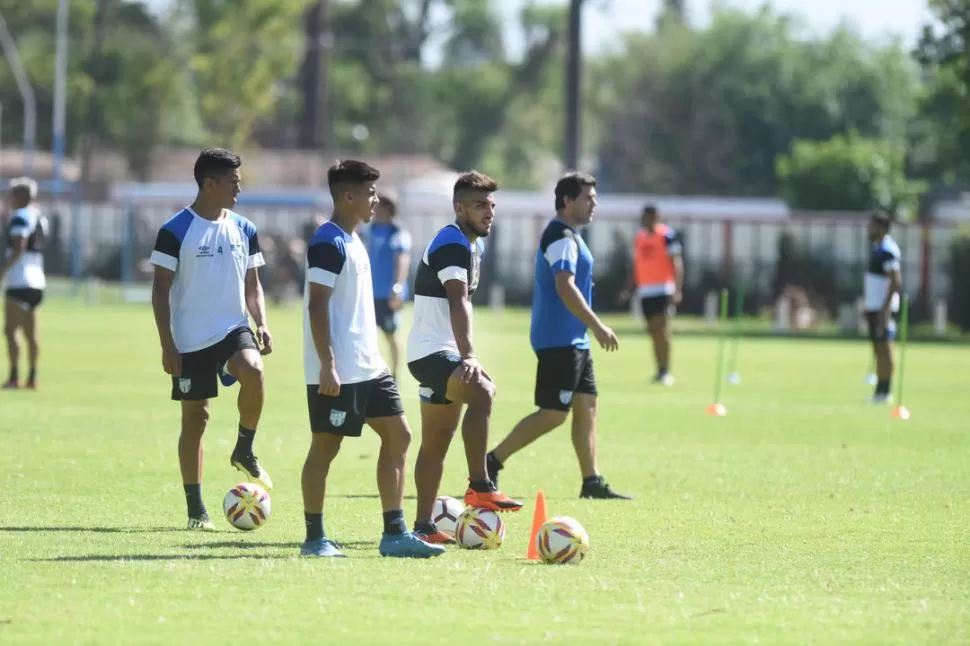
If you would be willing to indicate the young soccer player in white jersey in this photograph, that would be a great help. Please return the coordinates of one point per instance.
(22, 269)
(205, 260)
(881, 287)
(442, 358)
(348, 383)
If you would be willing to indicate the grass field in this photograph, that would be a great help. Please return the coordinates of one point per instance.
(804, 516)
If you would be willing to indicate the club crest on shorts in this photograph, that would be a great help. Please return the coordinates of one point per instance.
(565, 396)
(185, 385)
(337, 417)
(425, 393)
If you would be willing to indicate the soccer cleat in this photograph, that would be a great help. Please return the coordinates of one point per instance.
(664, 379)
(881, 399)
(224, 376)
(408, 545)
(249, 465)
(437, 537)
(203, 523)
(599, 490)
(493, 499)
(31, 385)
(11, 385)
(321, 547)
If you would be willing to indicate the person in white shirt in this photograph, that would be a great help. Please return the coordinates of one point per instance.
(205, 287)
(881, 287)
(348, 383)
(23, 270)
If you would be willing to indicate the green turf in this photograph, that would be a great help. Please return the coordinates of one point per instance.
(802, 517)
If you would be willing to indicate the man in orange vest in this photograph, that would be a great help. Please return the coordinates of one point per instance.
(658, 278)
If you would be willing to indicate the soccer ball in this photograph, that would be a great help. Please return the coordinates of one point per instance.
(479, 529)
(445, 514)
(247, 506)
(562, 540)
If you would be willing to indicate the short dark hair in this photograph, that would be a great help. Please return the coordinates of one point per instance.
(350, 172)
(649, 209)
(213, 163)
(571, 185)
(473, 181)
(388, 203)
(881, 218)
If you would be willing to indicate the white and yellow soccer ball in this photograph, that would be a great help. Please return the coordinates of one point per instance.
(445, 514)
(562, 540)
(479, 529)
(247, 506)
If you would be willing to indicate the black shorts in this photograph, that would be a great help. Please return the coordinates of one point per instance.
(432, 374)
(387, 319)
(655, 305)
(879, 333)
(200, 369)
(560, 373)
(27, 297)
(346, 413)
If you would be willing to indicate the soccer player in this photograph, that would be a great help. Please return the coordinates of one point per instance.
(389, 248)
(23, 268)
(205, 260)
(561, 316)
(348, 384)
(441, 356)
(658, 277)
(881, 287)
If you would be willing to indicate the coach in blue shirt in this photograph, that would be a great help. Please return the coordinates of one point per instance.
(389, 248)
(561, 316)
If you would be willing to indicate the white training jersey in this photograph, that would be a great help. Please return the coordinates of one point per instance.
(339, 260)
(28, 271)
(449, 256)
(884, 258)
(210, 260)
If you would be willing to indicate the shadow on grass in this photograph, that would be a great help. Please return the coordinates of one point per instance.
(363, 496)
(96, 530)
(121, 558)
(246, 545)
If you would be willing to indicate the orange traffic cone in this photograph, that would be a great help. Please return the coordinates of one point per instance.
(900, 412)
(538, 518)
(716, 409)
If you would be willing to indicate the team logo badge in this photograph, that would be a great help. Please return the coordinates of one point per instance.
(425, 393)
(565, 396)
(337, 417)
(185, 385)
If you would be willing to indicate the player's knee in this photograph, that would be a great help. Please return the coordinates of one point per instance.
(553, 418)
(250, 375)
(482, 396)
(195, 417)
(10, 330)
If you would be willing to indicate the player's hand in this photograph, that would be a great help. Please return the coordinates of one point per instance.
(264, 340)
(394, 302)
(677, 298)
(329, 382)
(606, 338)
(471, 369)
(171, 361)
(887, 315)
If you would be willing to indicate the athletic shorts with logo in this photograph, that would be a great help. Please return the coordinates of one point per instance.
(200, 369)
(432, 374)
(880, 332)
(346, 413)
(560, 373)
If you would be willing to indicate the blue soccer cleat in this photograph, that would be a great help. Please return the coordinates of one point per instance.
(321, 547)
(224, 376)
(407, 545)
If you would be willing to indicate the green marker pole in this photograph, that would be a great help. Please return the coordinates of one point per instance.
(732, 372)
(903, 335)
(722, 330)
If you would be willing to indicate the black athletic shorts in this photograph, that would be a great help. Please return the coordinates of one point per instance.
(346, 413)
(28, 297)
(432, 373)
(878, 332)
(200, 369)
(387, 319)
(655, 305)
(560, 373)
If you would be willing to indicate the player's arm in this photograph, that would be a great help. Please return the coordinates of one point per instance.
(893, 271)
(675, 252)
(18, 243)
(562, 256)
(402, 262)
(165, 258)
(255, 299)
(325, 262)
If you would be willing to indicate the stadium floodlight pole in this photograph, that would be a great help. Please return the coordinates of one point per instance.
(12, 55)
(60, 96)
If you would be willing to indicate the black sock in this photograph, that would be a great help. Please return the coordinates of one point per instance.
(592, 480)
(882, 387)
(314, 526)
(481, 486)
(14, 374)
(394, 522)
(424, 526)
(493, 464)
(32, 375)
(193, 500)
(244, 442)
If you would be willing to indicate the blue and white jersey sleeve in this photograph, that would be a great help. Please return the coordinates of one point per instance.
(450, 256)
(23, 223)
(326, 258)
(560, 249)
(168, 242)
(672, 241)
(890, 256)
(251, 234)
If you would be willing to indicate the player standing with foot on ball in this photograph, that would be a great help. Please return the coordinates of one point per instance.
(348, 383)
(561, 316)
(205, 259)
(442, 359)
